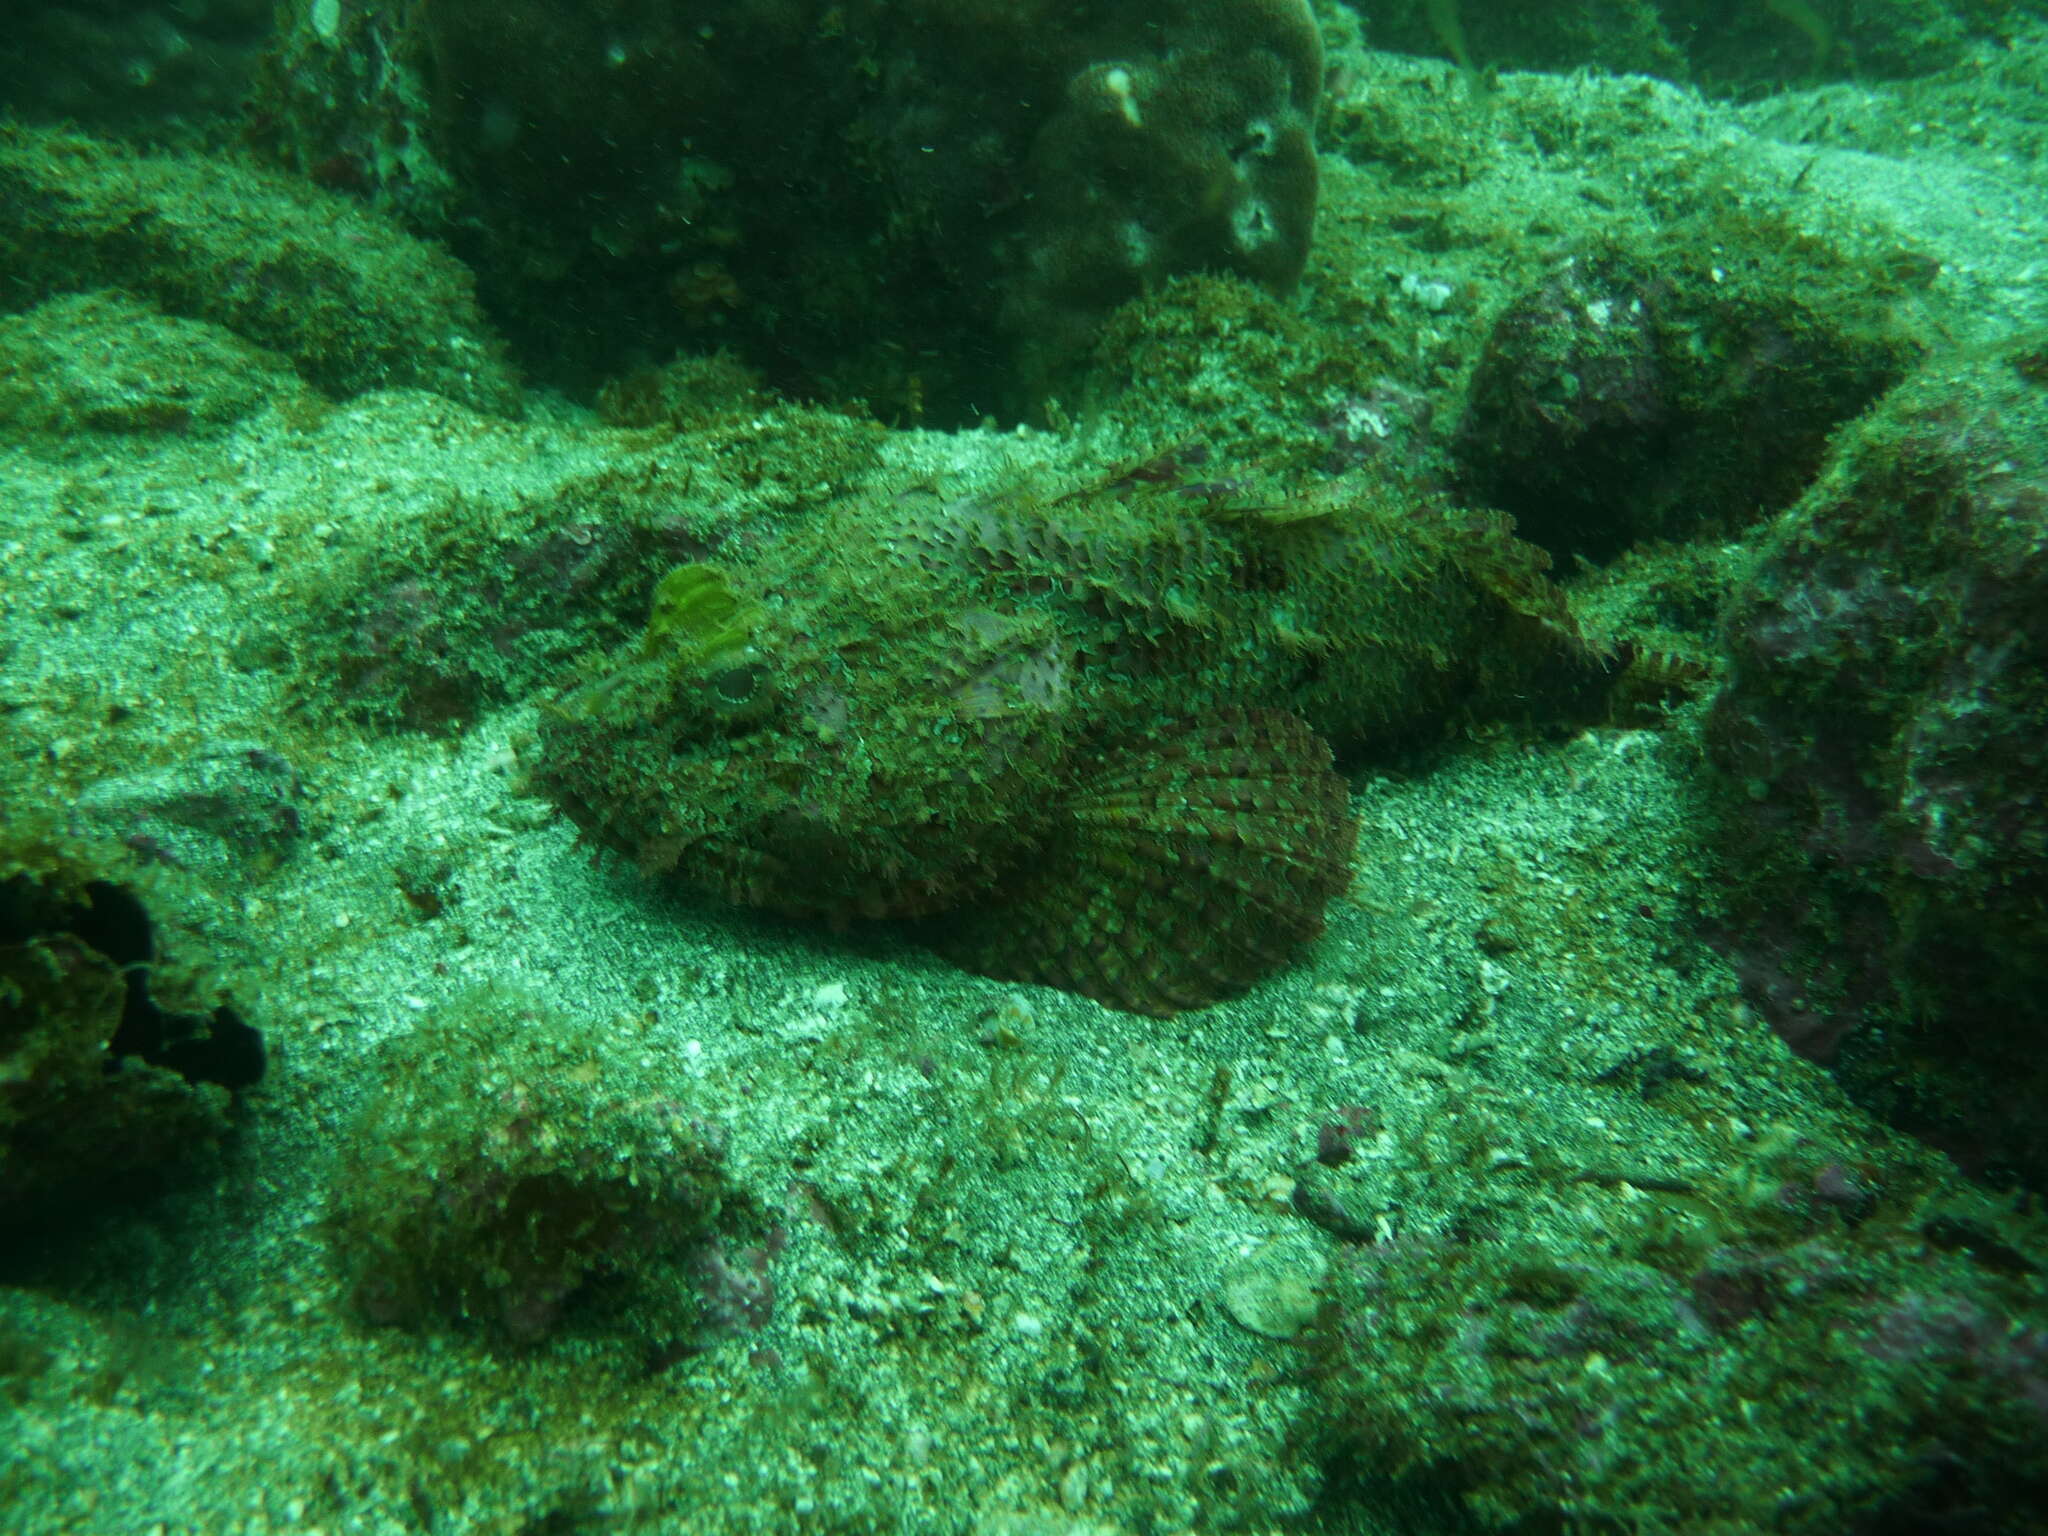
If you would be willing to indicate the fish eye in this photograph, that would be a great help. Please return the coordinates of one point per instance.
(736, 685)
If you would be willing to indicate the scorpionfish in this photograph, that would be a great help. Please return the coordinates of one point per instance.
(1082, 740)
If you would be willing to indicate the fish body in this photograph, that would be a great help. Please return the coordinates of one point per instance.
(1081, 739)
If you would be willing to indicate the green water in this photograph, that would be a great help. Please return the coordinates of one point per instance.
(1031, 769)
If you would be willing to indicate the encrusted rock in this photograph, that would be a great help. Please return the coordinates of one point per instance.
(1884, 740)
(351, 300)
(116, 1069)
(1668, 392)
(501, 1166)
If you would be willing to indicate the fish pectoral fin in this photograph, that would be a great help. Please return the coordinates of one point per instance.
(1186, 866)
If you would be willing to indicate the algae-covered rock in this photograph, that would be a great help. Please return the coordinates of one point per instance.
(350, 300)
(109, 362)
(505, 1161)
(1823, 1349)
(1684, 387)
(1883, 738)
(1188, 145)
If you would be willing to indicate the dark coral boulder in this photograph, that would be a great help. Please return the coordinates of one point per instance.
(1883, 740)
(900, 202)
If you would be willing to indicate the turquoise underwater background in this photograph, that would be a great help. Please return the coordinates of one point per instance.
(1061, 768)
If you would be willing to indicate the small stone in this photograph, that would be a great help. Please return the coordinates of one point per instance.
(1274, 1292)
(228, 811)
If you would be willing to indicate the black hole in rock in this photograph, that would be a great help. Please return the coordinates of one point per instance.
(220, 1047)
(201, 1048)
(226, 1050)
(114, 922)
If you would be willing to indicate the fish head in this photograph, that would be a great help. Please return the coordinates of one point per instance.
(823, 732)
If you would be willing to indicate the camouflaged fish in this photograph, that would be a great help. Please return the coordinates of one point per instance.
(1082, 740)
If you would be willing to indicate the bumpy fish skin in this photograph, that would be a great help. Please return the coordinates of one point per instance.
(915, 707)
